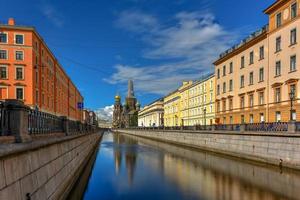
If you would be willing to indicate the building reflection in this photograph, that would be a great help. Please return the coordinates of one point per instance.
(125, 147)
(204, 183)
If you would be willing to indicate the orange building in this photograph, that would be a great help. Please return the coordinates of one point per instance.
(255, 79)
(30, 72)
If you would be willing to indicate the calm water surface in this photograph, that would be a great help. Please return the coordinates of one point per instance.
(128, 167)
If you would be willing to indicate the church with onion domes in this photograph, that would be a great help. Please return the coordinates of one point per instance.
(126, 115)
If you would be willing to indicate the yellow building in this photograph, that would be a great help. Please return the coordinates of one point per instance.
(198, 102)
(257, 79)
(172, 114)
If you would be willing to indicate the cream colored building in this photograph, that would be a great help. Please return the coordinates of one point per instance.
(172, 114)
(198, 102)
(254, 79)
(152, 114)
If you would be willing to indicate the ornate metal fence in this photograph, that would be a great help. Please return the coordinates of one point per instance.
(40, 123)
(267, 127)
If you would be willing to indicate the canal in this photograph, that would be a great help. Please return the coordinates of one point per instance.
(127, 167)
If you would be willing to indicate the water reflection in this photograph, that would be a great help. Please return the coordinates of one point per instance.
(128, 167)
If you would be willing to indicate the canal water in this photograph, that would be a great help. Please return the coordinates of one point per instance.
(126, 167)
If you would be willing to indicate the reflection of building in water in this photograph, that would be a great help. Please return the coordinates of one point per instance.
(130, 165)
(204, 183)
(130, 151)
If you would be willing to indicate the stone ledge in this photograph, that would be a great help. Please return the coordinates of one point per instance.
(248, 133)
(17, 148)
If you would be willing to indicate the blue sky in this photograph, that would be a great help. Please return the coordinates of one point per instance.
(158, 43)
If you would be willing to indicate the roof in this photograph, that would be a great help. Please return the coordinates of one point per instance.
(274, 6)
(252, 38)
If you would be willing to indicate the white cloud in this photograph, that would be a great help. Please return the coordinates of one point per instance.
(185, 49)
(105, 113)
(52, 14)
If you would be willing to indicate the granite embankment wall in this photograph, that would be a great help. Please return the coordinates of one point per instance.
(273, 148)
(45, 168)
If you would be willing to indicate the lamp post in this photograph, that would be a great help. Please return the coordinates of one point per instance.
(204, 112)
(292, 98)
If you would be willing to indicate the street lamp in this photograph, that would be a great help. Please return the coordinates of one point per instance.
(292, 98)
(204, 112)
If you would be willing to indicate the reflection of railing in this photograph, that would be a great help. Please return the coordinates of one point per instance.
(268, 127)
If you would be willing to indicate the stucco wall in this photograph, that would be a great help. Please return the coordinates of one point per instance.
(268, 148)
(44, 169)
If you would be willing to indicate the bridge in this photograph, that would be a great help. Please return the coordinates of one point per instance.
(42, 155)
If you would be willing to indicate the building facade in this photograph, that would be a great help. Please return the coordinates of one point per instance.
(198, 102)
(172, 114)
(30, 72)
(152, 115)
(257, 80)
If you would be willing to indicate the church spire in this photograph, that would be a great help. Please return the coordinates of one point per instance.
(130, 93)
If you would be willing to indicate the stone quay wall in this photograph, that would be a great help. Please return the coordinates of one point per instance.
(46, 168)
(281, 149)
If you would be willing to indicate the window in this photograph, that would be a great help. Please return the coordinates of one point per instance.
(278, 116)
(242, 62)
(242, 102)
(242, 119)
(230, 68)
(294, 10)
(261, 74)
(293, 37)
(224, 70)
(20, 93)
(278, 68)
(261, 52)
(218, 73)
(251, 58)
(19, 55)
(277, 95)
(231, 120)
(261, 117)
(242, 81)
(251, 119)
(230, 85)
(251, 78)
(19, 73)
(230, 104)
(278, 20)
(3, 37)
(251, 100)
(3, 72)
(19, 39)
(224, 105)
(224, 87)
(278, 44)
(293, 63)
(218, 106)
(218, 89)
(3, 54)
(261, 98)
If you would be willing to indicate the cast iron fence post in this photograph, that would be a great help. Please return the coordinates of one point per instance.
(17, 116)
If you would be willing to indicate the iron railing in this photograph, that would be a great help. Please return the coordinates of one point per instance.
(42, 123)
(267, 127)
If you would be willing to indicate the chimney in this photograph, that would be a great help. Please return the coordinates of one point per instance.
(11, 21)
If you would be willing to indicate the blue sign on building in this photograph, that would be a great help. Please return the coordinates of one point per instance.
(80, 105)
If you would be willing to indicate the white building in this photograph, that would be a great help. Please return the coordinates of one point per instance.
(152, 115)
